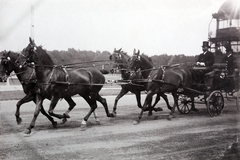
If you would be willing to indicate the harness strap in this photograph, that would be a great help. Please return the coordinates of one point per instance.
(163, 73)
(65, 71)
(50, 77)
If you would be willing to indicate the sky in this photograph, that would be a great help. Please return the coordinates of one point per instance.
(153, 26)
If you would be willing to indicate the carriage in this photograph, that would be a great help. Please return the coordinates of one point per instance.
(223, 32)
(219, 86)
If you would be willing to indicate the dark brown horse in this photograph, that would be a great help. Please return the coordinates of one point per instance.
(60, 82)
(121, 59)
(162, 80)
(27, 77)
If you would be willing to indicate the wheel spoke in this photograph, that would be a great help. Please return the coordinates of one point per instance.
(215, 103)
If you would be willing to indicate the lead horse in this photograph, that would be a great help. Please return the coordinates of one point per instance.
(57, 82)
(122, 60)
(167, 80)
(27, 77)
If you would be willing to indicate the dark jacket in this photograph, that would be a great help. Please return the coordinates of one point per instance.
(207, 58)
(231, 64)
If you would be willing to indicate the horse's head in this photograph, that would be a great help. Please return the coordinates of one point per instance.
(10, 62)
(29, 52)
(119, 57)
(35, 54)
(134, 62)
(116, 55)
(6, 67)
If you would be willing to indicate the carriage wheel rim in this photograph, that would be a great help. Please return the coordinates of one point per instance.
(183, 107)
(215, 103)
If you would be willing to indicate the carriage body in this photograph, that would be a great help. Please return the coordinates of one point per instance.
(219, 85)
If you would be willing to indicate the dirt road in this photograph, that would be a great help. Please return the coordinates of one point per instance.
(193, 136)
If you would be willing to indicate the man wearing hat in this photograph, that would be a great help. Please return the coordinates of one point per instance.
(204, 67)
(229, 60)
(206, 59)
(231, 65)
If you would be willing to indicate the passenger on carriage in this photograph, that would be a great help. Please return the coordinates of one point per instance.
(204, 63)
(205, 59)
(231, 66)
(229, 59)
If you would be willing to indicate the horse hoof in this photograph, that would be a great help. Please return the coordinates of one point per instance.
(27, 132)
(149, 113)
(135, 122)
(64, 120)
(19, 120)
(113, 114)
(83, 127)
(158, 109)
(66, 115)
(170, 108)
(54, 124)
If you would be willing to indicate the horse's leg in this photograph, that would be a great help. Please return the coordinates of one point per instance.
(157, 100)
(138, 97)
(54, 123)
(53, 104)
(148, 100)
(97, 120)
(175, 97)
(104, 103)
(93, 105)
(39, 101)
(193, 105)
(72, 104)
(29, 97)
(164, 96)
(149, 108)
(122, 93)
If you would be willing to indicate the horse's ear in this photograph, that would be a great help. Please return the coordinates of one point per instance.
(134, 51)
(138, 53)
(30, 40)
(114, 49)
(120, 49)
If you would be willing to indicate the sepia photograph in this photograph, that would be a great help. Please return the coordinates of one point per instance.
(119, 79)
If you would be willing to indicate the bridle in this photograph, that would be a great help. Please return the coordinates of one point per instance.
(7, 59)
(133, 60)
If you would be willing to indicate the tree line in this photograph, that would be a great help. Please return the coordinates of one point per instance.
(100, 59)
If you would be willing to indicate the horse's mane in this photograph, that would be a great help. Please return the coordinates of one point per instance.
(13, 54)
(125, 54)
(43, 55)
(147, 57)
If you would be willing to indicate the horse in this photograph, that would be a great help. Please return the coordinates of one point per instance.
(57, 81)
(27, 77)
(163, 80)
(122, 59)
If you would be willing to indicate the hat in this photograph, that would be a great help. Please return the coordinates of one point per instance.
(205, 44)
(228, 48)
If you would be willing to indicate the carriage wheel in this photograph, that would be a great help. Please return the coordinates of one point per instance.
(184, 104)
(215, 103)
